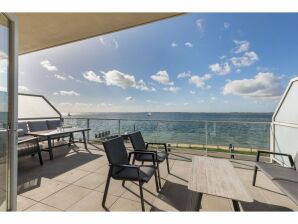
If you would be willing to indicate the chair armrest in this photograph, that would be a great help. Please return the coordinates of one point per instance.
(157, 143)
(276, 153)
(153, 153)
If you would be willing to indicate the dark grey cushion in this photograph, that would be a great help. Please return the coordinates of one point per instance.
(23, 129)
(132, 174)
(137, 141)
(53, 124)
(290, 188)
(275, 172)
(161, 156)
(37, 126)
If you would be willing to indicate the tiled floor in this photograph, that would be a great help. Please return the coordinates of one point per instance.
(75, 181)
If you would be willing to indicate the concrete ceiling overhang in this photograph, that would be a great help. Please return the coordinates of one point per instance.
(38, 31)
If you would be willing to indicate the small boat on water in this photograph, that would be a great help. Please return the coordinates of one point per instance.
(149, 114)
(68, 114)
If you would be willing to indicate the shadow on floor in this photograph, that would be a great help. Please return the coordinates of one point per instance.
(257, 206)
(176, 196)
(51, 168)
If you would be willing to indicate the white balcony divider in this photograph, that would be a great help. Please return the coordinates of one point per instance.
(36, 107)
(284, 131)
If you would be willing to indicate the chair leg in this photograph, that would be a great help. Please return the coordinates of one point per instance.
(156, 181)
(123, 183)
(133, 161)
(168, 166)
(158, 175)
(255, 176)
(40, 158)
(141, 195)
(106, 189)
(142, 162)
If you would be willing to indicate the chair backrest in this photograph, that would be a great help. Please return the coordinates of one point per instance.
(296, 161)
(116, 151)
(37, 126)
(137, 141)
(23, 129)
(53, 124)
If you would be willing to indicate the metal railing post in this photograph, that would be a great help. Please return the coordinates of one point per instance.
(119, 127)
(206, 138)
(88, 126)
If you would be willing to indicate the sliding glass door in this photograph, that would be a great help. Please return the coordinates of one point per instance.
(4, 133)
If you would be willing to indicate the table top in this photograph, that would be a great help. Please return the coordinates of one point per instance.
(216, 177)
(56, 132)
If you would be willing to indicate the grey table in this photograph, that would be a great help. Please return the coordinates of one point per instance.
(50, 134)
(216, 177)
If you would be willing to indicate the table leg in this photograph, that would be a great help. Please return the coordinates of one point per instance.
(194, 201)
(84, 138)
(50, 148)
(236, 205)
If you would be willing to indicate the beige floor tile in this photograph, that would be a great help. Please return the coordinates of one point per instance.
(115, 187)
(42, 189)
(42, 208)
(92, 202)
(91, 181)
(66, 197)
(133, 193)
(92, 166)
(71, 176)
(24, 203)
(123, 204)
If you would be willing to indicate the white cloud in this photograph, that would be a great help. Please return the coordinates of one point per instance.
(186, 103)
(188, 44)
(201, 101)
(172, 89)
(192, 92)
(102, 40)
(264, 85)
(47, 65)
(60, 77)
(105, 104)
(226, 101)
(173, 44)
(65, 104)
(129, 98)
(213, 98)
(66, 93)
(226, 25)
(200, 25)
(70, 77)
(183, 75)
(116, 78)
(116, 43)
(162, 77)
(141, 85)
(152, 101)
(199, 81)
(23, 88)
(248, 59)
(92, 77)
(241, 46)
(220, 69)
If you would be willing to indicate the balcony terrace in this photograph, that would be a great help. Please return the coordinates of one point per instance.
(75, 181)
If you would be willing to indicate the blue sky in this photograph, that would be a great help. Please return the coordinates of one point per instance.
(198, 62)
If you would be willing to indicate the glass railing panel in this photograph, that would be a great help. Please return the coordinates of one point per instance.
(243, 136)
(103, 128)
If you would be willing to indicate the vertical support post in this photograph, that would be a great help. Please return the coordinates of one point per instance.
(88, 126)
(119, 127)
(206, 137)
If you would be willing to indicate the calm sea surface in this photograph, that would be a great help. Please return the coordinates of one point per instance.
(222, 129)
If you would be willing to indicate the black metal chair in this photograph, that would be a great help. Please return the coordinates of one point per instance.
(139, 145)
(120, 169)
